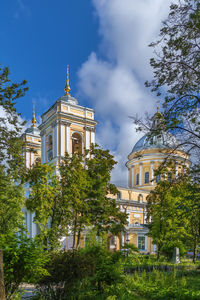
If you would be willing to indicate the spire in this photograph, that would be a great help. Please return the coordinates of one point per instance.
(67, 87)
(33, 119)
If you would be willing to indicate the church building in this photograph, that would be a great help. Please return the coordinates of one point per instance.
(67, 127)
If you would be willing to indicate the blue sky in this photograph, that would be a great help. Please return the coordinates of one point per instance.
(38, 40)
(105, 43)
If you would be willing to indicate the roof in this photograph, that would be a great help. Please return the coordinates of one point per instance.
(165, 140)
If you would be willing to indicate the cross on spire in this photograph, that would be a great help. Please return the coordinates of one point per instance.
(67, 88)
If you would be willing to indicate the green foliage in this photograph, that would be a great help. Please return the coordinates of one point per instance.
(11, 204)
(175, 211)
(166, 228)
(24, 261)
(77, 199)
(177, 70)
(188, 194)
(11, 162)
(11, 159)
(161, 285)
(45, 200)
(96, 273)
(74, 186)
(85, 273)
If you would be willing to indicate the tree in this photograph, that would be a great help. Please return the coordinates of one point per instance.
(176, 68)
(45, 200)
(166, 227)
(75, 185)
(105, 215)
(188, 193)
(11, 161)
(76, 199)
(24, 261)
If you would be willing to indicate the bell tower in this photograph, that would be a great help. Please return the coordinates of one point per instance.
(66, 127)
(32, 143)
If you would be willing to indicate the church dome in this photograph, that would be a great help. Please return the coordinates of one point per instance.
(165, 140)
(33, 130)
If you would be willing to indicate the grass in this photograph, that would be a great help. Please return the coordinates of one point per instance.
(159, 285)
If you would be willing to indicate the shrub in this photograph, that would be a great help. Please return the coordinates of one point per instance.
(86, 273)
(23, 262)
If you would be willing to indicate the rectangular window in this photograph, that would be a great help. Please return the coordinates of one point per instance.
(141, 243)
(137, 179)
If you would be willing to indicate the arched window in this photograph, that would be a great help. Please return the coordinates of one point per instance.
(140, 198)
(50, 142)
(38, 160)
(137, 179)
(76, 143)
(146, 177)
(157, 178)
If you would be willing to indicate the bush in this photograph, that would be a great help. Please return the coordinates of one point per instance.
(86, 273)
(23, 262)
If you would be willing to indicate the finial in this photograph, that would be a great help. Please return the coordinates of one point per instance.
(33, 119)
(157, 106)
(67, 87)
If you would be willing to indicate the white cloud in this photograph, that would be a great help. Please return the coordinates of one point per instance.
(114, 84)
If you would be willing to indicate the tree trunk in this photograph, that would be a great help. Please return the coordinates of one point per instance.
(195, 252)
(74, 233)
(78, 239)
(2, 287)
(158, 252)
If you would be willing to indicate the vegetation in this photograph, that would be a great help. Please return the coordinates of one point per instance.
(96, 273)
(11, 164)
(177, 71)
(78, 199)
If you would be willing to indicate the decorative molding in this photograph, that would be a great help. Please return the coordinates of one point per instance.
(92, 129)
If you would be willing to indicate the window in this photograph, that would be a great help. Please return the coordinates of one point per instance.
(146, 177)
(50, 147)
(157, 178)
(140, 198)
(137, 179)
(76, 143)
(38, 160)
(119, 195)
(141, 243)
(50, 142)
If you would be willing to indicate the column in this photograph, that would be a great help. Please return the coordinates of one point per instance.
(62, 140)
(141, 169)
(133, 177)
(43, 148)
(34, 229)
(129, 177)
(28, 222)
(122, 239)
(145, 216)
(87, 139)
(55, 146)
(27, 158)
(92, 137)
(53, 140)
(152, 172)
(68, 138)
(32, 158)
